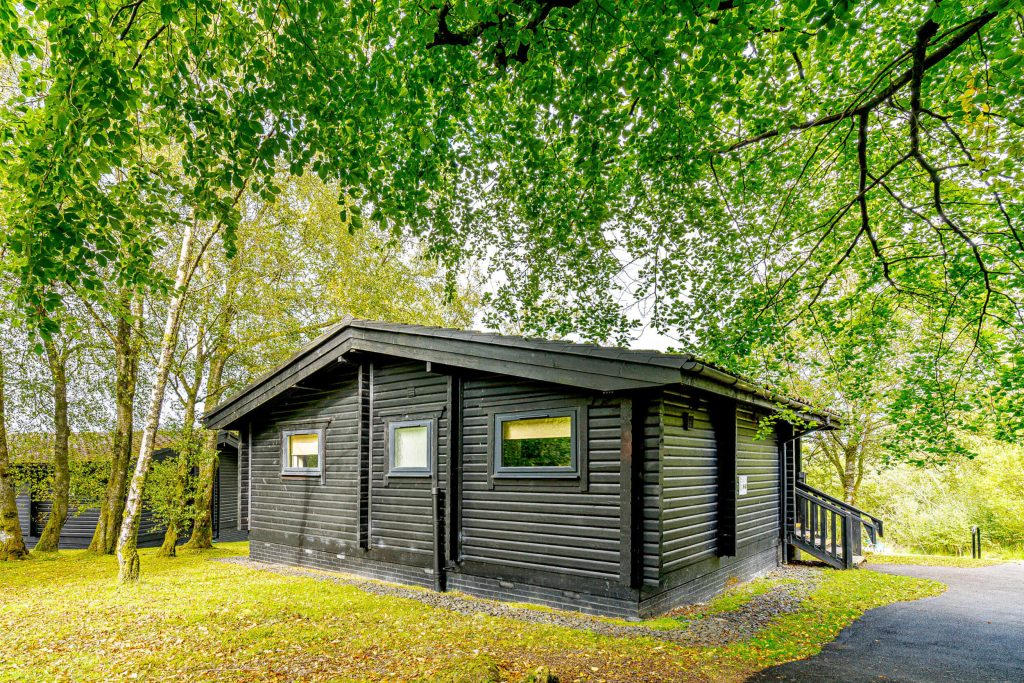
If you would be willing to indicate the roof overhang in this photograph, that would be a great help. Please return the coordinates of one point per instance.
(579, 366)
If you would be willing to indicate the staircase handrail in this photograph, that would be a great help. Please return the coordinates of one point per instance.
(828, 506)
(841, 503)
(817, 544)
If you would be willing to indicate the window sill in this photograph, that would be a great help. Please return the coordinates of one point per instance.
(302, 474)
(535, 475)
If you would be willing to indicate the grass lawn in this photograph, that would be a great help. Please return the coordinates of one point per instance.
(191, 619)
(933, 560)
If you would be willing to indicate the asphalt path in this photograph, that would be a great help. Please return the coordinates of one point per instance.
(973, 632)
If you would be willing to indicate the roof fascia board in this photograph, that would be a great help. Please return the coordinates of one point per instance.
(707, 386)
(519, 345)
(543, 366)
(499, 356)
(223, 416)
(601, 375)
(313, 346)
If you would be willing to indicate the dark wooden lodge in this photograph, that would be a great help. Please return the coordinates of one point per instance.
(34, 506)
(596, 479)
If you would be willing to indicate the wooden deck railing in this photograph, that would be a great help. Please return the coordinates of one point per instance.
(830, 529)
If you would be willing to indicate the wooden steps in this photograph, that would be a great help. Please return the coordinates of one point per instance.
(831, 530)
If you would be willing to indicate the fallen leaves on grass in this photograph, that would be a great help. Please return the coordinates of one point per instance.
(191, 619)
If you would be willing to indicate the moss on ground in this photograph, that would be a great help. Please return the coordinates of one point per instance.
(190, 619)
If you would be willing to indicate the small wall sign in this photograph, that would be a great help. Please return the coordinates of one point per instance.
(743, 484)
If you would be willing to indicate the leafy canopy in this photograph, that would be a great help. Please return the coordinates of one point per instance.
(720, 161)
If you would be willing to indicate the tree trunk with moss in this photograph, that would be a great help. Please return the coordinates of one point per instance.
(169, 548)
(127, 341)
(180, 487)
(49, 540)
(186, 452)
(12, 543)
(128, 539)
(202, 527)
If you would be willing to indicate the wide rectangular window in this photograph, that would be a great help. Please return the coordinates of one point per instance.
(536, 444)
(410, 447)
(303, 451)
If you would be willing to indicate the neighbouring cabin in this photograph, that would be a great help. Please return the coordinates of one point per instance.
(34, 504)
(602, 480)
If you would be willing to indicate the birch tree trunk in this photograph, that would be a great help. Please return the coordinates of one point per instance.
(49, 540)
(12, 543)
(127, 544)
(127, 345)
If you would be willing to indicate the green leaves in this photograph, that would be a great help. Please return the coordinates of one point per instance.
(608, 162)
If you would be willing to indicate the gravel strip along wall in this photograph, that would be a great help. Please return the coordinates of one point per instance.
(715, 630)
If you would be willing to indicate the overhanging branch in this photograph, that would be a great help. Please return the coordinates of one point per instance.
(958, 38)
(444, 35)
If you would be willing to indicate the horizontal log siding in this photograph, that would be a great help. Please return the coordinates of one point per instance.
(550, 525)
(78, 523)
(82, 520)
(401, 516)
(757, 513)
(652, 494)
(227, 478)
(689, 486)
(24, 505)
(306, 506)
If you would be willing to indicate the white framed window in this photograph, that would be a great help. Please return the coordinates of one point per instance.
(302, 452)
(410, 448)
(536, 444)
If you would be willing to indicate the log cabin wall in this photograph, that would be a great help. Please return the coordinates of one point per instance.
(669, 495)
(694, 566)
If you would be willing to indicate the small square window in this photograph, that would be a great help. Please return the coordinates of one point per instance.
(536, 444)
(303, 452)
(410, 446)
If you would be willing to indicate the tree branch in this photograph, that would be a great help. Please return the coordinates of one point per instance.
(958, 38)
(145, 47)
(444, 35)
(924, 35)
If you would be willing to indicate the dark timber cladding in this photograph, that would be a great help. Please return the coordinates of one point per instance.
(596, 479)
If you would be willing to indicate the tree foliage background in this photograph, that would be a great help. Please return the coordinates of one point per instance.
(729, 170)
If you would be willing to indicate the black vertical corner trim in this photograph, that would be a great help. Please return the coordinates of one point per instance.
(453, 472)
(249, 466)
(723, 420)
(641, 406)
(369, 453)
(583, 449)
(784, 435)
(631, 492)
(360, 443)
(244, 485)
(798, 458)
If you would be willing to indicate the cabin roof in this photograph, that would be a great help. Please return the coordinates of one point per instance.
(585, 366)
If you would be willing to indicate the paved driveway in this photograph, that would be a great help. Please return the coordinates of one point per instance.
(973, 632)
